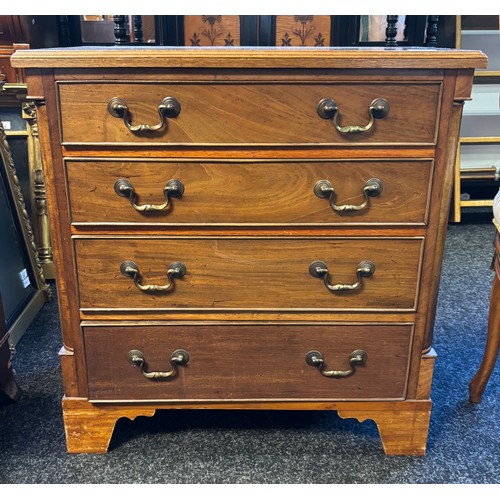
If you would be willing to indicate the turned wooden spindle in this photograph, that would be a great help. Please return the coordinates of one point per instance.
(138, 34)
(120, 30)
(431, 32)
(391, 31)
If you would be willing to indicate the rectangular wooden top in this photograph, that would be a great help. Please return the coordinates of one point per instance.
(249, 57)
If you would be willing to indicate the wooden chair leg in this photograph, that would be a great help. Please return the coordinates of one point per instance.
(480, 379)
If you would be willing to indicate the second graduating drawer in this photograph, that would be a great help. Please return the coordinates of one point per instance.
(309, 192)
(210, 273)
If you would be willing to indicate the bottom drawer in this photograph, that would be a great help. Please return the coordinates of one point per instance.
(248, 361)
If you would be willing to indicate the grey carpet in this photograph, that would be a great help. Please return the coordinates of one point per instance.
(189, 446)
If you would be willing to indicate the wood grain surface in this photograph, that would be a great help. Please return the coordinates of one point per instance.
(246, 113)
(106, 58)
(249, 146)
(401, 432)
(246, 273)
(256, 192)
(248, 362)
(403, 424)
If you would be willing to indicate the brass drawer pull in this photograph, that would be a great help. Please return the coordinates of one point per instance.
(173, 189)
(328, 109)
(179, 357)
(130, 269)
(325, 189)
(170, 107)
(357, 357)
(318, 269)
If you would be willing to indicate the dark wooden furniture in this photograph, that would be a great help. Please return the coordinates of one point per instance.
(250, 30)
(9, 390)
(228, 237)
(480, 379)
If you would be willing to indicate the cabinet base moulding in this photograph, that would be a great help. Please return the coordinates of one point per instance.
(403, 425)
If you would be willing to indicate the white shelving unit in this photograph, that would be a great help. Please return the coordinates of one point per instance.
(478, 155)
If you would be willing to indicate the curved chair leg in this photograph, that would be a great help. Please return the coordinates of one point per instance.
(480, 379)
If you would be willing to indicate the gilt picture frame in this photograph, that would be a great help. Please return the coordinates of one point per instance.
(20, 238)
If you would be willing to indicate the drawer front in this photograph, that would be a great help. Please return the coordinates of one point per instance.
(248, 273)
(249, 113)
(249, 192)
(247, 362)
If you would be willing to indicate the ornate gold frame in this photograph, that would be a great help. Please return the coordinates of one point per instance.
(43, 293)
(14, 95)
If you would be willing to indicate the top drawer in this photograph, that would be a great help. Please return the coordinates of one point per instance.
(239, 113)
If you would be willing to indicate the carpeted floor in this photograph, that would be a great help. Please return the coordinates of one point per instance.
(187, 446)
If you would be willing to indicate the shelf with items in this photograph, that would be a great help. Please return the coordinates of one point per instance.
(477, 170)
(481, 115)
(477, 176)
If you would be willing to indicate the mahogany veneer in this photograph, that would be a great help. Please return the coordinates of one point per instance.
(185, 252)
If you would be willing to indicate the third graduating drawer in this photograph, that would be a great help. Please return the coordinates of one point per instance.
(248, 273)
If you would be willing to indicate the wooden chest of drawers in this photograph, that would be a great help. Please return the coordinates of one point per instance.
(248, 228)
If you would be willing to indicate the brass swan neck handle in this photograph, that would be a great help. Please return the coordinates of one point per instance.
(318, 269)
(329, 110)
(357, 357)
(179, 357)
(173, 189)
(325, 189)
(131, 270)
(169, 107)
